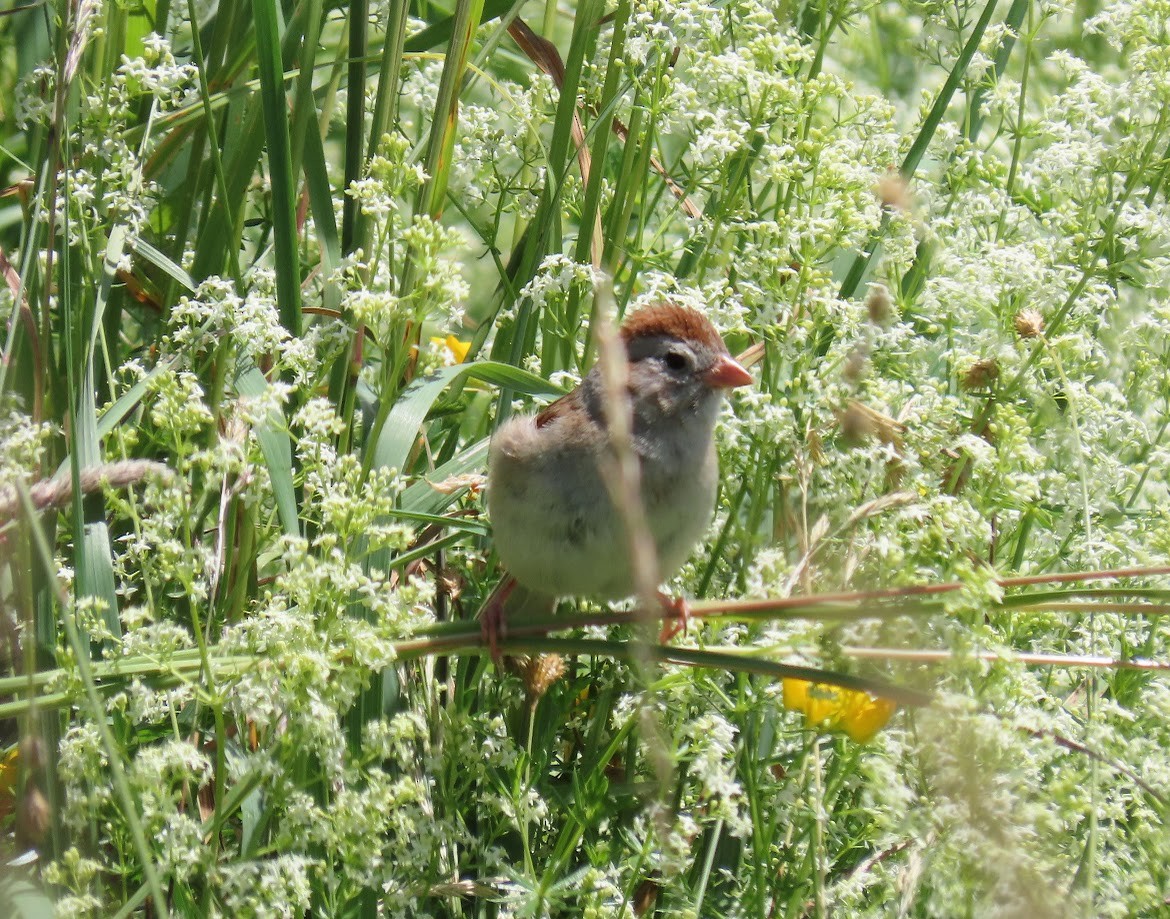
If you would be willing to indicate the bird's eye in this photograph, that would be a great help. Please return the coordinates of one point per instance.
(677, 360)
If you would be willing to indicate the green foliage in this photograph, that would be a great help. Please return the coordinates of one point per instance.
(273, 273)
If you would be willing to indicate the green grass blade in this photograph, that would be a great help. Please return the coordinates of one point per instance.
(393, 446)
(219, 243)
(324, 219)
(21, 898)
(274, 444)
(613, 73)
(283, 182)
(304, 103)
(437, 164)
(95, 566)
(385, 114)
(717, 660)
(1013, 20)
(164, 264)
(355, 116)
(422, 497)
(440, 32)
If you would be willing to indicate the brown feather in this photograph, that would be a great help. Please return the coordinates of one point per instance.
(553, 410)
(673, 320)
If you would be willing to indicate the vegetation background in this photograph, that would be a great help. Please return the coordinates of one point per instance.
(273, 271)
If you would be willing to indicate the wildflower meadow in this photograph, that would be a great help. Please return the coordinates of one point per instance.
(273, 271)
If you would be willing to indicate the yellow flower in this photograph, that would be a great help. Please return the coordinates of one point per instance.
(458, 349)
(831, 708)
(9, 768)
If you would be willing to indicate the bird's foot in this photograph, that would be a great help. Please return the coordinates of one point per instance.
(678, 616)
(493, 623)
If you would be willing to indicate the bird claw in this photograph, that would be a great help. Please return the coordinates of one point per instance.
(678, 616)
(493, 624)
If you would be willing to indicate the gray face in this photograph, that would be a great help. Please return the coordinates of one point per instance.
(674, 409)
(668, 375)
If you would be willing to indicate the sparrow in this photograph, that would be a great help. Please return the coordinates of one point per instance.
(555, 527)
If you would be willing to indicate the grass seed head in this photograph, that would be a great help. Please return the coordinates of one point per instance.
(1029, 323)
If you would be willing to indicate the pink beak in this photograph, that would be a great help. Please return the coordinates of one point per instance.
(726, 374)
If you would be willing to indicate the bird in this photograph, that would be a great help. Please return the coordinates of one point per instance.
(555, 527)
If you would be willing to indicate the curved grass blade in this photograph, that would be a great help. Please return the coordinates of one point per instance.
(164, 264)
(355, 116)
(439, 32)
(437, 165)
(94, 556)
(464, 637)
(274, 443)
(21, 898)
(321, 202)
(423, 497)
(397, 437)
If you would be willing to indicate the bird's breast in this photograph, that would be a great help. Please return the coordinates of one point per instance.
(556, 528)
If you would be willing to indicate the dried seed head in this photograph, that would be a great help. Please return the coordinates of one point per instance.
(816, 447)
(856, 425)
(887, 430)
(452, 583)
(895, 473)
(879, 305)
(32, 752)
(645, 897)
(472, 481)
(893, 191)
(32, 822)
(57, 492)
(205, 799)
(855, 364)
(1029, 323)
(981, 374)
(540, 672)
(859, 422)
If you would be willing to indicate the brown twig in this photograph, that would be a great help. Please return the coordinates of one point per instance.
(920, 590)
(923, 655)
(58, 491)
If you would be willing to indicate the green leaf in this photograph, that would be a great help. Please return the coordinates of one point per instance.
(274, 444)
(439, 32)
(437, 165)
(719, 660)
(321, 201)
(918, 148)
(94, 559)
(355, 115)
(398, 434)
(164, 264)
(423, 498)
(119, 410)
(20, 898)
(284, 225)
(128, 401)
